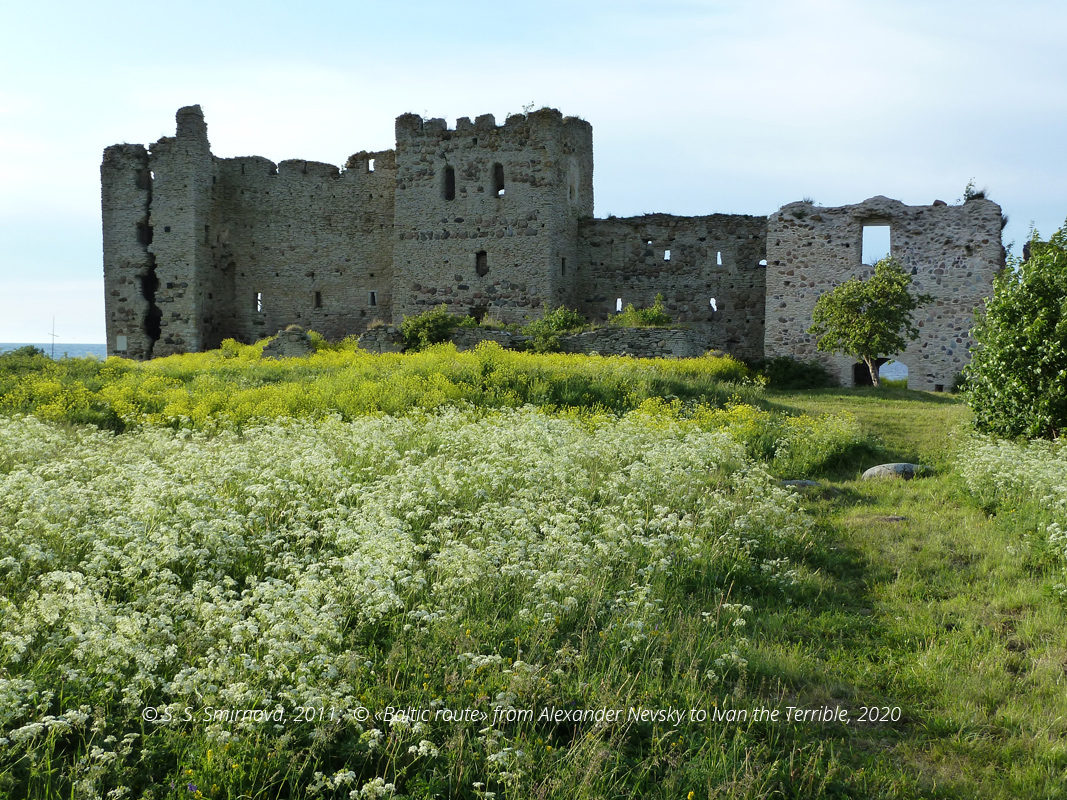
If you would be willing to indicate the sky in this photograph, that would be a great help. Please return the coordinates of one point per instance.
(697, 106)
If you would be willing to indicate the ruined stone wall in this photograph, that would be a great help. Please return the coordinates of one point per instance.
(689, 260)
(301, 242)
(953, 253)
(182, 169)
(487, 215)
(126, 189)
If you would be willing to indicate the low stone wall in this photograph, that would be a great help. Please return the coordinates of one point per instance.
(637, 342)
(468, 338)
(289, 344)
(383, 339)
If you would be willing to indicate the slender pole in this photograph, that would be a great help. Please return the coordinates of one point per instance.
(53, 334)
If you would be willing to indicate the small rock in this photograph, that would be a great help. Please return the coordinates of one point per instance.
(890, 518)
(803, 484)
(897, 470)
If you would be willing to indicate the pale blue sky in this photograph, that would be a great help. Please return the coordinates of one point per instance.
(696, 107)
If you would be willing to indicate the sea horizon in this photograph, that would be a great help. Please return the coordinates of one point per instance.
(61, 349)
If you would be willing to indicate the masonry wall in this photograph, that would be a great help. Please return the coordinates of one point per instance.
(952, 251)
(126, 190)
(513, 193)
(689, 260)
(300, 242)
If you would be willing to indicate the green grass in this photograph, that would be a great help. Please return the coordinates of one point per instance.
(916, 595)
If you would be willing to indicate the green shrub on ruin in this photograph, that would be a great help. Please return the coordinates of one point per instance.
(632, 317)
(428, 328)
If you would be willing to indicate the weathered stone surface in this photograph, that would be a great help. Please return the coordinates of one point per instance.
(495, 218)
(895, 470)
(800, 484)
(953, 252)
(382, 339)
(289, 344)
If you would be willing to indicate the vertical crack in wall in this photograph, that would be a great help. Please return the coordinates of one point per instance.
(152, 317)
(150, 281)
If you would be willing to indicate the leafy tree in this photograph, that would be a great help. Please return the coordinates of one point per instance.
(868, 319)
(1016, 382)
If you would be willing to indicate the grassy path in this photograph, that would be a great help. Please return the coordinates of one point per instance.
(924, 607)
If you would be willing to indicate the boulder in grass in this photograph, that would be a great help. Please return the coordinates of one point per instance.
(803, 484)
(897, 470)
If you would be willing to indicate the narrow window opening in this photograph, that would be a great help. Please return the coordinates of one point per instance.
(666, 255)
(207, 234)
(714, 306)
(648, 242)
(763, 262)
(259, 302)
(498, 180)
(876, 245)
(372, 299)
(563, 266)
(450, 184)
(618, 305)
(718, 258)
(318, 299)
(481, 263)
(166, 229)
(121, 344)
(370, 165)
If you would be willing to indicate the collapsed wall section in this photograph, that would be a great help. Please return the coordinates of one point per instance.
(303, 243)
(953, 253)
(708, 270)
(126, 192)
(487, 216)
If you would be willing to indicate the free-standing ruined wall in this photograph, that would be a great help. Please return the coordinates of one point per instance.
(689, 260)
(953, 252)
(487, 215)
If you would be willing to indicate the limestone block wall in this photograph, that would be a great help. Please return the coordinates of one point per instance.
(126, 190)
(487, 215)
(953, 253)
(689, 260)
(301, 242)
(637, 342)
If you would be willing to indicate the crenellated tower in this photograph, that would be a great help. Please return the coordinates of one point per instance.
(487, 216)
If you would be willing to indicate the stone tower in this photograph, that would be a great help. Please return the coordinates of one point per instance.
(487, 216)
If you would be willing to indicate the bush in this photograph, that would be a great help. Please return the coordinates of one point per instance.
(431, 327)
(643, 317)
(544, 333)
(783, 372)
(1015, 381)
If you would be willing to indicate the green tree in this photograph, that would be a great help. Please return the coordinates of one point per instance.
(1016, 382)
(868, 319)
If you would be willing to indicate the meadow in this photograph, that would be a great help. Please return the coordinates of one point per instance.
(492, 574)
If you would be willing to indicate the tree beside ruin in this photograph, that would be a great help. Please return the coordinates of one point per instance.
(868, 319)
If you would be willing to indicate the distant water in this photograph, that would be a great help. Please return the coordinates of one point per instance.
(61, 350)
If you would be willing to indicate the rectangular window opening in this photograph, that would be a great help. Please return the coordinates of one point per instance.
(618, 305)
(498, 180)
(372, 299)
(563, 267)
(259, 302)
(718, 258)
(876, 243)
(449, 188)
(666, 255)
(318, 299)
(370, 165)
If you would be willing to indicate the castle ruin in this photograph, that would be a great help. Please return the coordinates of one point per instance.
(494, 218)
